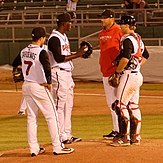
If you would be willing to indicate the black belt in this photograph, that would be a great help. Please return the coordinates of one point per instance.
(130, 72)
(134, 71)
(62, 69)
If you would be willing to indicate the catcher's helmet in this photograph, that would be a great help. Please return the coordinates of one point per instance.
(130, 20)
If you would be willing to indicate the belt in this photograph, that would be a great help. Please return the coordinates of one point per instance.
(134, 71)
(128, 71)
(62, 69)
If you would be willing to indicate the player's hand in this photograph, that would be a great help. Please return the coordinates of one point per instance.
(81, 51)
(88, 49)
(48, 86)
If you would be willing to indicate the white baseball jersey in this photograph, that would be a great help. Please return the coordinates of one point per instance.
(65, 50)
(31, 67)
(45, 47)
(138, 50)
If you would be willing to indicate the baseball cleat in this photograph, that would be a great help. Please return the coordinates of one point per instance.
(74, 139)
(111, 135)
(137, 142)
(21, 113)
(63, 151)
(41, 151)
(119, 142)
(68, 141)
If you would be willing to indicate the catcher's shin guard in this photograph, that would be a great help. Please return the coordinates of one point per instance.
(122, 120)
(133, 126)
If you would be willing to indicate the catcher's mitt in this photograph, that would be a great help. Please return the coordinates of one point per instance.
(89, 51)
(114, 79)
(17, 75)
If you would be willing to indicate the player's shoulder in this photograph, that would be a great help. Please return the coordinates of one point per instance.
(116, 27)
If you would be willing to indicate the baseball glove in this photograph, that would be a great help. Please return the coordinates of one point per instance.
(114, 80)
(17, 75)
(89, 49)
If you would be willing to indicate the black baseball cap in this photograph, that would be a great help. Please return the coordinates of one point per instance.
(107, 14)
(72, 14)
(128, 19)
(65, 17)
(38, 32)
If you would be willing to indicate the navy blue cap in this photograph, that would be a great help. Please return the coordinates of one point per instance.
(107, 14)
(128, 19)
(65, 17)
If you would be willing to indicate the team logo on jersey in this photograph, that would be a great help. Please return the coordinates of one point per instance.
(105, 38)
(66, 47)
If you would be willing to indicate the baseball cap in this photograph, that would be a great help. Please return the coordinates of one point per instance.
(107, 14)
(127, 19)
(72, 14)
(65, 17)
(38, 32)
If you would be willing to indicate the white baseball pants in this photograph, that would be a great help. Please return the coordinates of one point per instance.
(110, 93)
(38, 97)
(63, 95)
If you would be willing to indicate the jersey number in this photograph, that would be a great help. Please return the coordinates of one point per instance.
(29, 63)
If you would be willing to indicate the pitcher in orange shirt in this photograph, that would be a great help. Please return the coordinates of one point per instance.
(109, 38)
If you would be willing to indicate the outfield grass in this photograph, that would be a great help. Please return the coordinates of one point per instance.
(13, 129)
(93, 85)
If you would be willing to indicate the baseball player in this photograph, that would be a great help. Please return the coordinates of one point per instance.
(36, 91)
(133, 55)
(109, 38)
(17, 64)
(62, 82)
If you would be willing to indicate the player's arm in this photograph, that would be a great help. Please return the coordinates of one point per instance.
(145, 56)
(44, 59)
(126, 55)
(17, 62)
(54, 46)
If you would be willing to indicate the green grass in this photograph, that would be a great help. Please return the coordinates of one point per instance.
(84, 85)
(155, 87)
(99, 85)
(13, 129)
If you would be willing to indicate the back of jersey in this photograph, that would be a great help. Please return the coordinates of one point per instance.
(32, 68)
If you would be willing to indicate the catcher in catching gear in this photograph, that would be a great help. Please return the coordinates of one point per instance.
(133, 56)
(88, 50)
